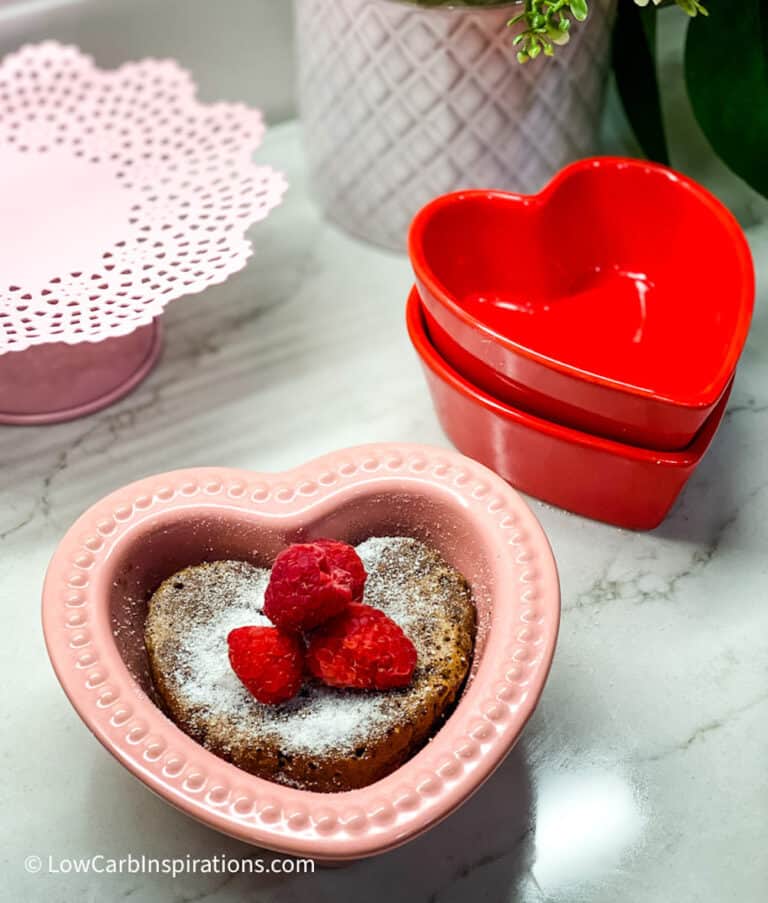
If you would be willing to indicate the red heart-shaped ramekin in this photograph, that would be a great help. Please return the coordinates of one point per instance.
(95, 597)
(599, 478)
(617, 301)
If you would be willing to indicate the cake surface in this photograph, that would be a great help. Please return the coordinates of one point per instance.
(324, 739)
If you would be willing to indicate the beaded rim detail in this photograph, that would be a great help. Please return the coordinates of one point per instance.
(506, 685)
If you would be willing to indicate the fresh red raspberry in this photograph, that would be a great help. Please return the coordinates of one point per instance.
(269, 662)
(362, 649)
(344, 556)
(306, 588)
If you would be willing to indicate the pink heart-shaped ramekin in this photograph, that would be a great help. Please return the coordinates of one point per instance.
(116, 554)
(617, 301)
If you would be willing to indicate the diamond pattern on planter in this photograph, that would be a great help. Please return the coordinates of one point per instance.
(401, 103)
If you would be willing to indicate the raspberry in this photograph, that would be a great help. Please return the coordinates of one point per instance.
(344, 556)
(270, 663)
(362, 649)
(307, 586)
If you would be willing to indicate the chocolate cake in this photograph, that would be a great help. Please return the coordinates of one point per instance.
(325, 739)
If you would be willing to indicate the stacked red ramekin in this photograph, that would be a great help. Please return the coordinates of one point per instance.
(583, 342)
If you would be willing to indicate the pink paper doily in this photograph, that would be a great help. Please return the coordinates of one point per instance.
(119, 192)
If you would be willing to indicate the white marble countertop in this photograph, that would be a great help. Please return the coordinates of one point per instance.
(642, 776)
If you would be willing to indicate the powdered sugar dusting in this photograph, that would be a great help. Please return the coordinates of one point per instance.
(206, 661)
(330, 719)
(383, 592)
(321, 719)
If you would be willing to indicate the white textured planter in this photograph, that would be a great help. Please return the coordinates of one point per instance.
(401, 103)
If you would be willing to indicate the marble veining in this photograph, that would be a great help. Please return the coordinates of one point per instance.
(641, 776)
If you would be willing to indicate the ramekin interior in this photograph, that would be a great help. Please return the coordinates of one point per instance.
(161, 546)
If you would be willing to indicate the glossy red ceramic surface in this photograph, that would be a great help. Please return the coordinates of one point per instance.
(616, 301)
(599, 478)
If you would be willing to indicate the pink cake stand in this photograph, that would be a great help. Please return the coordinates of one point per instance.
(120, 192)
(55, 382)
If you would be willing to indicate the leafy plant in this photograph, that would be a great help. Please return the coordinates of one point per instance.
(548, 22)
(726, 74)
(726, 71)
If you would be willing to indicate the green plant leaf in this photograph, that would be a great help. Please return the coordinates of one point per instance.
(726, 69)
(579, 9)
(634, 63)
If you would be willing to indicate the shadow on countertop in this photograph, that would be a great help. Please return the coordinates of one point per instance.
(483, 851)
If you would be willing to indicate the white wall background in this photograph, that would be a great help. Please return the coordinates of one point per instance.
(253, 35)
